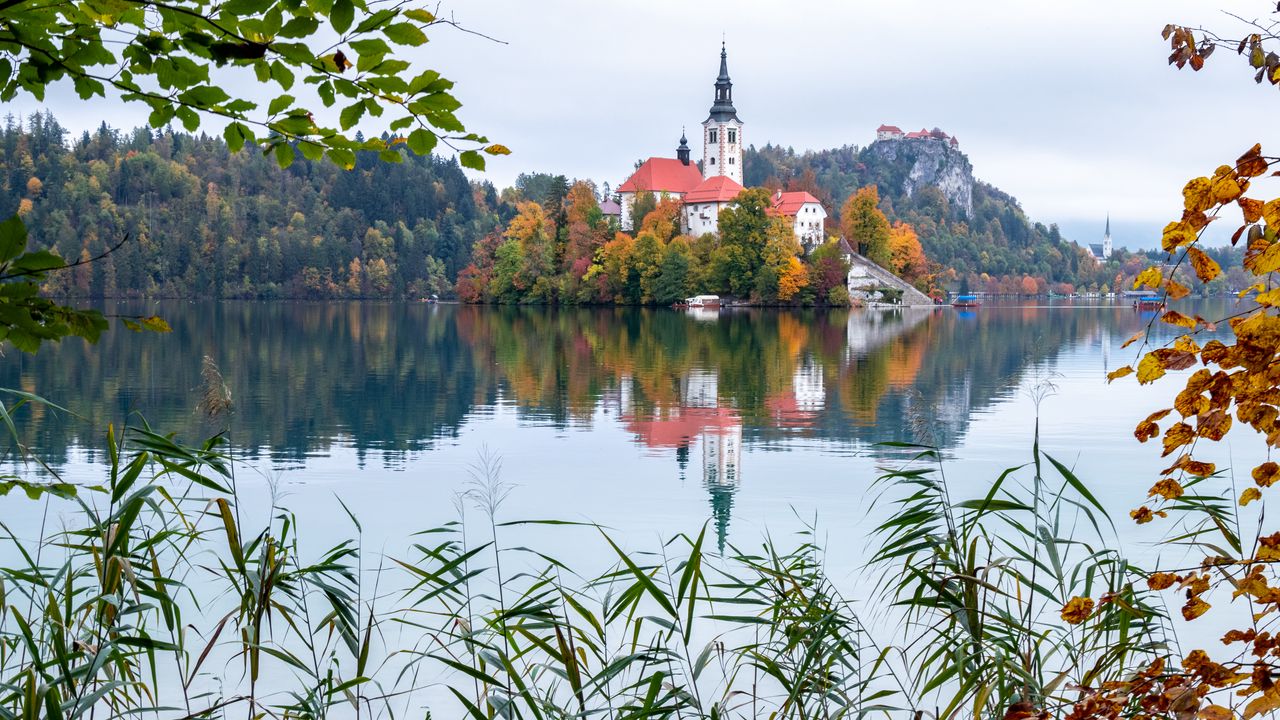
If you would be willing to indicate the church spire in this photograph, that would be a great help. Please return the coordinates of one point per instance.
(682, 152)
(722, 108)
(1108, 230)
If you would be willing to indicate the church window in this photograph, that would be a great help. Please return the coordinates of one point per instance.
(733, 136)
(712, 135)
(730, 161)
(713, 161)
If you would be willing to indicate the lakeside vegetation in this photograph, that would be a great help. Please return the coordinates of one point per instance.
(419, 227)
(1011, 603)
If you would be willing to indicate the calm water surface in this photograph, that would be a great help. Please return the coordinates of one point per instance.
(647, 421)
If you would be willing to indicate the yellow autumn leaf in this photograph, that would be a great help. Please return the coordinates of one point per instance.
(1150, 369)
(1173, 317)
(1177, 234)
(1194, 608)
(1226, 189)
(1197, 195)
(1266, 474)
(1267, 702)
(1134, 338)
(1271, 212)
(1270, 298)
(1178, 435)
(1264, 262)
(1251, 208)
(1119, 373)
(1249, 495)
(1150, 277)
(1216, 712)
(1167, 488)
(1077, 610)
(1176, 290)
(1206, 267)
(1252, 164)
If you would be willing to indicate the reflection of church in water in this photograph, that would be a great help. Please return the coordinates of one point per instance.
(701, 426)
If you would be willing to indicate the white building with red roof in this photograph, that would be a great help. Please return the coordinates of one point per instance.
(703, 204)
(707, 190)
(807, 216)
(669, 177)
(889, 132)
(721, 157)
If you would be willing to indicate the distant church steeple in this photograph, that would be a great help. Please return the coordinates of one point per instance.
(1106, 239)
(722, 130)
(682, 152)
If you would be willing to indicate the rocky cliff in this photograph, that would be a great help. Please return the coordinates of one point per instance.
(910, 165)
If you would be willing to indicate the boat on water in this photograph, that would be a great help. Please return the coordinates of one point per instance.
(1148, 304)
(700, 301)
(966, 301)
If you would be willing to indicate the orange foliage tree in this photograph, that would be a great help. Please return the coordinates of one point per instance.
(907, 255)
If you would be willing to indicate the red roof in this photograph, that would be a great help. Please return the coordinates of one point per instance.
(663, 175)
(789, 203)
(921, 134)
(715, 189)
(673, 427)
(889, 128)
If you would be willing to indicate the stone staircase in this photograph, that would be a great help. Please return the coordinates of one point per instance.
(861, 267)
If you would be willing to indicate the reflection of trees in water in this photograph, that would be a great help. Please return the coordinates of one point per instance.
(395, 378)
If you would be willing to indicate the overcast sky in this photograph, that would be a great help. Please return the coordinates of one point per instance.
(1069, 106)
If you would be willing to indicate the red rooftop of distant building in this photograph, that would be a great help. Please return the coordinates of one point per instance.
(661, 175)
(715, 189)
(789, 203)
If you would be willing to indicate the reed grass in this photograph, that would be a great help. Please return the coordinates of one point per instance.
(151, 595)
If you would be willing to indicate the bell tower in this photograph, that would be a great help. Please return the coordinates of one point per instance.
(722, 130)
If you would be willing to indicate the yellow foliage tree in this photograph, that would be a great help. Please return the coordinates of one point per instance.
(355, 278)
(793, 279)
(907, 255)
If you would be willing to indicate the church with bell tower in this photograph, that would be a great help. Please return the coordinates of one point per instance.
(703, 188)
(707, 188)
(722, 130)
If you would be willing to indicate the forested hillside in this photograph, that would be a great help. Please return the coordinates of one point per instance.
(205, 222)
(971, 231)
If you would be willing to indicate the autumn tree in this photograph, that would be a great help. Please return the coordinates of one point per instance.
(585, 230)
(535, 234)
(907, 258)
(621, 281)
(792, 280)
(865, 227)
(828, 268)
(646, 259)
(776, 262)
(664, 220)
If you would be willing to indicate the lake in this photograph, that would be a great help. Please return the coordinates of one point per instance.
(649, 421)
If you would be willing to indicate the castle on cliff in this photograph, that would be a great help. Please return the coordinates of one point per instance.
(893, 132)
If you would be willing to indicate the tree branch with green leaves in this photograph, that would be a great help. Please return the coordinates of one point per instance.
(176, 56)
